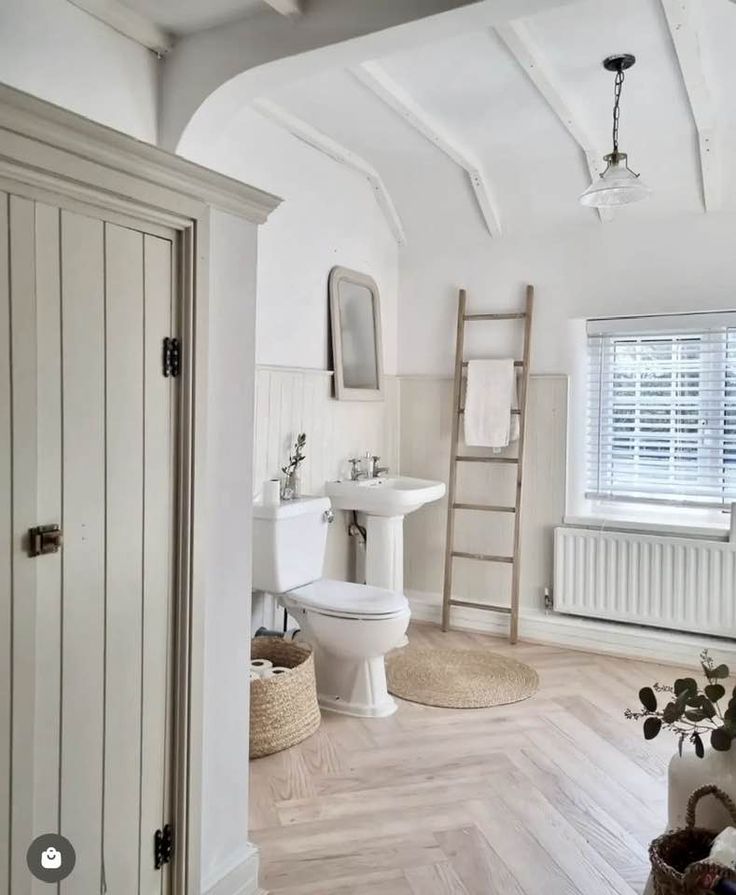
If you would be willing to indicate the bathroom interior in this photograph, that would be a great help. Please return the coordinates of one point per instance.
(463, 587)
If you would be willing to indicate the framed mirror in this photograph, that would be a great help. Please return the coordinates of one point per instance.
(355, 313)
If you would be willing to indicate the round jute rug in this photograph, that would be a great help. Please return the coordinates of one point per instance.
(458, 678)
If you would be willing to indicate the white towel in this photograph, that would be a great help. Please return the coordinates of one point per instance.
(490, 395)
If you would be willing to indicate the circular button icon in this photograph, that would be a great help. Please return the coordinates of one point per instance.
(51, 858)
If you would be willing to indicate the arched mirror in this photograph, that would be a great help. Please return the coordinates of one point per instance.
(355, 312)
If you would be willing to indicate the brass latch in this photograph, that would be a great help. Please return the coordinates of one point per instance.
(44, 539)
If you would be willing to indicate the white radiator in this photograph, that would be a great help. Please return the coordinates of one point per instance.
(667, 582)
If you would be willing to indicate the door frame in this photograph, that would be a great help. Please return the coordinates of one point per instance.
(47, 148)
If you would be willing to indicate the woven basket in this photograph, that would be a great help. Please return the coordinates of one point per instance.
(679, 859)
(283, 708)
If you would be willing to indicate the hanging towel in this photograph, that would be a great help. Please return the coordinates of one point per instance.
(490, 394)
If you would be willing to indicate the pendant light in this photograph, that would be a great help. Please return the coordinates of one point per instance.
(618, 184)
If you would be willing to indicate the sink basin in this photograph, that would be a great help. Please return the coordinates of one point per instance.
(389, 496)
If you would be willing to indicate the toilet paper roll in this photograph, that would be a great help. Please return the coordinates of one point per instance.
(279, 669)
(260, 666)
(271, 493)
(254, 676)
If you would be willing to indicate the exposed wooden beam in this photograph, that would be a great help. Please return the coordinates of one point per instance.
(377, 80)
(682, 24)
(286, 7)
(128, 22)
(322, 143)
(524, 49)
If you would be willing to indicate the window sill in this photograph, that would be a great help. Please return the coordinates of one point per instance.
(711, 524)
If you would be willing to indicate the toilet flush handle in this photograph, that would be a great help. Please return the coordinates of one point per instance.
(329, 516)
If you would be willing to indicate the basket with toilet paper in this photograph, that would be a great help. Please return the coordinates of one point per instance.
(693, 860)
(283, 695)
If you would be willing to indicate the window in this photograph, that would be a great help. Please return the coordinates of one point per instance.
(661, 419)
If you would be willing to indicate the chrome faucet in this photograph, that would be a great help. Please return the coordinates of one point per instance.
(371, 468)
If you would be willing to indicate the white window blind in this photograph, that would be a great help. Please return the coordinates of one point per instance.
(661, 417)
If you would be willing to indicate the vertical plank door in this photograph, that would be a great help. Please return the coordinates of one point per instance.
(87, 440)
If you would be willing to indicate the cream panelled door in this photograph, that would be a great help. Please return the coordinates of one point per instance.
(87, 440)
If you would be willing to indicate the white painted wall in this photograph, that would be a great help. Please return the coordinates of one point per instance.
(59, 53)
(680, 264)
(228, 558)
(684, 263)
(329, 217)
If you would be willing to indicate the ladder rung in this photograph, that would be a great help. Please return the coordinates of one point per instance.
(517, 363)
(483, 557)
(487, 606)
(514, 411)
(519, 315)
(460, 458)
(485, 507)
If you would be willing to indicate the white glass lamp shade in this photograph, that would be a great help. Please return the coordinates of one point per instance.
(618, 185)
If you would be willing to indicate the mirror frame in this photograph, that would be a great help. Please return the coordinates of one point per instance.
(339, 275)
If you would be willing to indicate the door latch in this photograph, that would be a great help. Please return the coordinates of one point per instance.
(43, 539)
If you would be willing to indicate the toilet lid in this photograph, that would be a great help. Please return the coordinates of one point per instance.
(346, 599)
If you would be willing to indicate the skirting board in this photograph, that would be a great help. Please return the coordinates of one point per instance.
(587, 635)
(241, 880)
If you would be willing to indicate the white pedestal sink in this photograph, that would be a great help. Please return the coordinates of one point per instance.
(383, 503)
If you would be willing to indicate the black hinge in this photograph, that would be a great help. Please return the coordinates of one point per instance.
(171, 357)
(163, 846)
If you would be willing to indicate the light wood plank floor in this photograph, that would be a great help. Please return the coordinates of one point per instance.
(558, 794)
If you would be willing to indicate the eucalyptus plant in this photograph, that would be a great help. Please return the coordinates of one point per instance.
(296, 458)
(692, 713)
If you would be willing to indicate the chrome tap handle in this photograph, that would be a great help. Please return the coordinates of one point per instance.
(354, 468)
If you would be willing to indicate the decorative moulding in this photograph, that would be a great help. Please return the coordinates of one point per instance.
(24, 115)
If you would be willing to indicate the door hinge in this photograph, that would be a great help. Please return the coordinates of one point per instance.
(171, 356)
(163, 846)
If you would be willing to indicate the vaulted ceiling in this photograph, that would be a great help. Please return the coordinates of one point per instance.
(500, 126)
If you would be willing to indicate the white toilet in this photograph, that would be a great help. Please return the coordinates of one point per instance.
(350, 626)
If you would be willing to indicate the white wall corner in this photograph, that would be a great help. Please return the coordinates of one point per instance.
(241, 879)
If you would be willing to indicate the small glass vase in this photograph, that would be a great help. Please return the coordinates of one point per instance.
(291, 486)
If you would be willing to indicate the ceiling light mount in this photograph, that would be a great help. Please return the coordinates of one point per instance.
(619, 62)
(618, 184)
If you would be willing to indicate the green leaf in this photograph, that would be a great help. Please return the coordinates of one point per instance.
(652, 726)
(686, 685)
(707, 707)
(679, 744)
(720, 672)
(714, 692)
(698, 743)
(671, 713)
(695, 715)
(648, 699)
(720, 740)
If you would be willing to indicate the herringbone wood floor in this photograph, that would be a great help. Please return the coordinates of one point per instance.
(557, 795)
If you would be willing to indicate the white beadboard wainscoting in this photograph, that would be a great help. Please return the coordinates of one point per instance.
(677, 583)
(289, 401)
(426, 417)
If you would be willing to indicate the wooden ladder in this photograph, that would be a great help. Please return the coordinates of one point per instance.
(452, 505)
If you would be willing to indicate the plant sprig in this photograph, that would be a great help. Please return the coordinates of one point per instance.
(693, 713)
(297, 457)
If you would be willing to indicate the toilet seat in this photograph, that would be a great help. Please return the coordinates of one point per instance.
(344, 599)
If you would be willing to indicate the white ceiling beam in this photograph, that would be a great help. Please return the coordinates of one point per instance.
(680, 16)
(128, 22)
(338, 153)
(524, 49)
(379, 82)
(286, 7)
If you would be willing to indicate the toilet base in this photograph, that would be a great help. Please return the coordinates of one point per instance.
(336, 706)
(350, 686)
